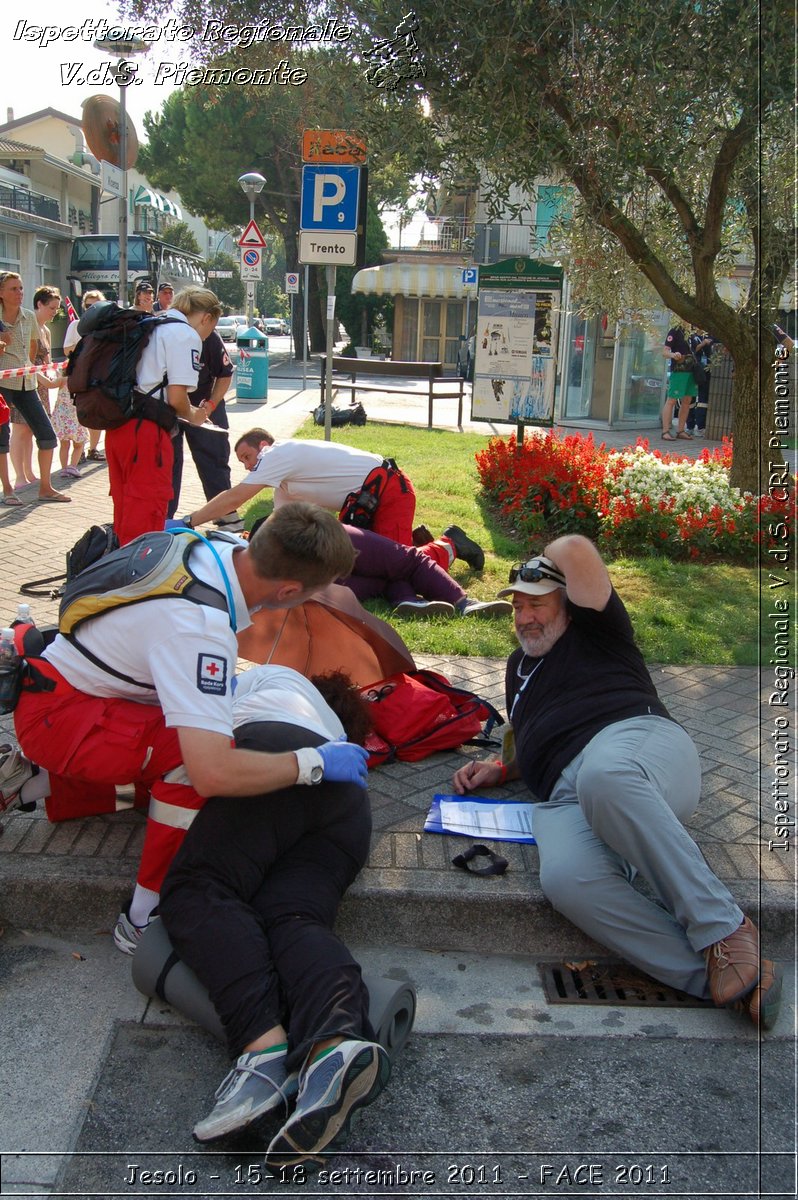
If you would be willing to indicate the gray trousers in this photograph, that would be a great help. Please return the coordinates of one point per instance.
(617, 809)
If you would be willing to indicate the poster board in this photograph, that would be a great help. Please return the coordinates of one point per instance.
(516, 342)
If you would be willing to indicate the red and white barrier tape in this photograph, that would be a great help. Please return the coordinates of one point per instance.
(18, 372)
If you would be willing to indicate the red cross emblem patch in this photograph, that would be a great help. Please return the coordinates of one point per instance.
(212, 674)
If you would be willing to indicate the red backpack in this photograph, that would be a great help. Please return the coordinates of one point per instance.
(415, 715)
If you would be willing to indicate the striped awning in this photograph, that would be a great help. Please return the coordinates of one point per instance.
(428, 280)
(152, 199)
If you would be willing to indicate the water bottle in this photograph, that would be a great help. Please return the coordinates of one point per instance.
(24, 616)
(10, 672)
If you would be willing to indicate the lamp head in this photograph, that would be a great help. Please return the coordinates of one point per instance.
(252, 184)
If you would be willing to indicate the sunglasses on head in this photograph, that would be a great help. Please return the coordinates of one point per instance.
(534, 570)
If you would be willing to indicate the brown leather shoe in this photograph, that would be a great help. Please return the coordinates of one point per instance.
(733, 966)
(763, 1007)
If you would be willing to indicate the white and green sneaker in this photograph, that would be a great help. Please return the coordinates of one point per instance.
(257, 1083)
(331, 1089)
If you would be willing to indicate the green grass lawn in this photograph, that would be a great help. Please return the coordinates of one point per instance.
(682, 612)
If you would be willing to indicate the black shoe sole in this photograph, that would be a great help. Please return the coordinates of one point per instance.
(308, 1134)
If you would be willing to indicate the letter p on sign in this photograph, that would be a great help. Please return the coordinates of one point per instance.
(327, 190)
(329, 199)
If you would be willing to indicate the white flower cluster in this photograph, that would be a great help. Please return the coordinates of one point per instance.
(694, 485)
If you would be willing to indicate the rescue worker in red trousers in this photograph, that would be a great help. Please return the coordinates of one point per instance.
(139, 453)
(146, 698)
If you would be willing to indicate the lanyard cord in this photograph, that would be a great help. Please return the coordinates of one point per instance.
(526, 679)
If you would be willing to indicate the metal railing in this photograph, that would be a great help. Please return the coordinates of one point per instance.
(482, 242)
(23, 200)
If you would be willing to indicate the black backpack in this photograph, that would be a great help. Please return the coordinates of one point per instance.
(95, 543)
(354, 415)
(101, 376)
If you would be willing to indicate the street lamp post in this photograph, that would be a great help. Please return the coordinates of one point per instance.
(125, 48)
(252, 184)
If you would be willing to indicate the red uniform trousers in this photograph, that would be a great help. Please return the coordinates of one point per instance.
(394, 518)
(140, 458)
(90, 744)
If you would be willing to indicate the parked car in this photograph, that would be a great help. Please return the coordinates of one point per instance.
(228, 327)
(276, 326)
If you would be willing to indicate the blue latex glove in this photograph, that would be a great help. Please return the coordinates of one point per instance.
(344, 762)
(174, 523)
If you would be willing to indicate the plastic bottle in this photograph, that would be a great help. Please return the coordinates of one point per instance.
(24, 616)
(10, 672)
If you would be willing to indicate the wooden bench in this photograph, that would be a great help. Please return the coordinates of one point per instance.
(346, 373)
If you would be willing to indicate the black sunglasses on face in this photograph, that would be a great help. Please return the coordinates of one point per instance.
(535, 570)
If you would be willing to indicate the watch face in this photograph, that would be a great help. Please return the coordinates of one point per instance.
(316, 774)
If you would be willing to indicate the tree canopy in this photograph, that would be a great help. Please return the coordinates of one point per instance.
(255, 129)
(672, 122)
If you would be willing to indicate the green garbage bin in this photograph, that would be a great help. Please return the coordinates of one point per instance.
(252, 369)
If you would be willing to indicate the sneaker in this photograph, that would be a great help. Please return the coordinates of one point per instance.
(465, 548)
(230, 521)
(15, 770)
(733, 967)
(257, 1083)
(424, 608)
(70, 473)
(331, 1089)
(485, 608)
(127, 935)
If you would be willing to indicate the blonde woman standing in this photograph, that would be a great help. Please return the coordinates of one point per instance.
(139, 453)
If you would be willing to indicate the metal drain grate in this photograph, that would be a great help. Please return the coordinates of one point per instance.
(607, 981)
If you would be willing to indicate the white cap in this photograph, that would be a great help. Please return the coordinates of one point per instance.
(543, 576)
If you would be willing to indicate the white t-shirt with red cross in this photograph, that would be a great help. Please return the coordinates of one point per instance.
(322, 473)
(186, 651)
(173, 351)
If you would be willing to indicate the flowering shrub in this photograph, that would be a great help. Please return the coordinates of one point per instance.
(634, 501)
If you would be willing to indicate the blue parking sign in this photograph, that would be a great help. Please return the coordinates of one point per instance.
(329, 198)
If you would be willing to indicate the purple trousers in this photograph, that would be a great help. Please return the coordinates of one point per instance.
(388, 569)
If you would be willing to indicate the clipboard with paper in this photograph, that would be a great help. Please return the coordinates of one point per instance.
(479, 817)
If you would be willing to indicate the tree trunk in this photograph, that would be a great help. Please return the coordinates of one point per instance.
(318, 331)
(758, 410)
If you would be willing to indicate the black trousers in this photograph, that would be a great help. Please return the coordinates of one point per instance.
(211, 454)
(251, 898)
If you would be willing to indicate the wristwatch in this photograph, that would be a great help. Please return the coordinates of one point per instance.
(310, 764)
(187, 521)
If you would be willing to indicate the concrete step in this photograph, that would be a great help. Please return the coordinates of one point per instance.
(430, 907)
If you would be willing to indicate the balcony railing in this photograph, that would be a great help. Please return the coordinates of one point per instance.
(30, 202)
(448, 236)
(480, 241)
